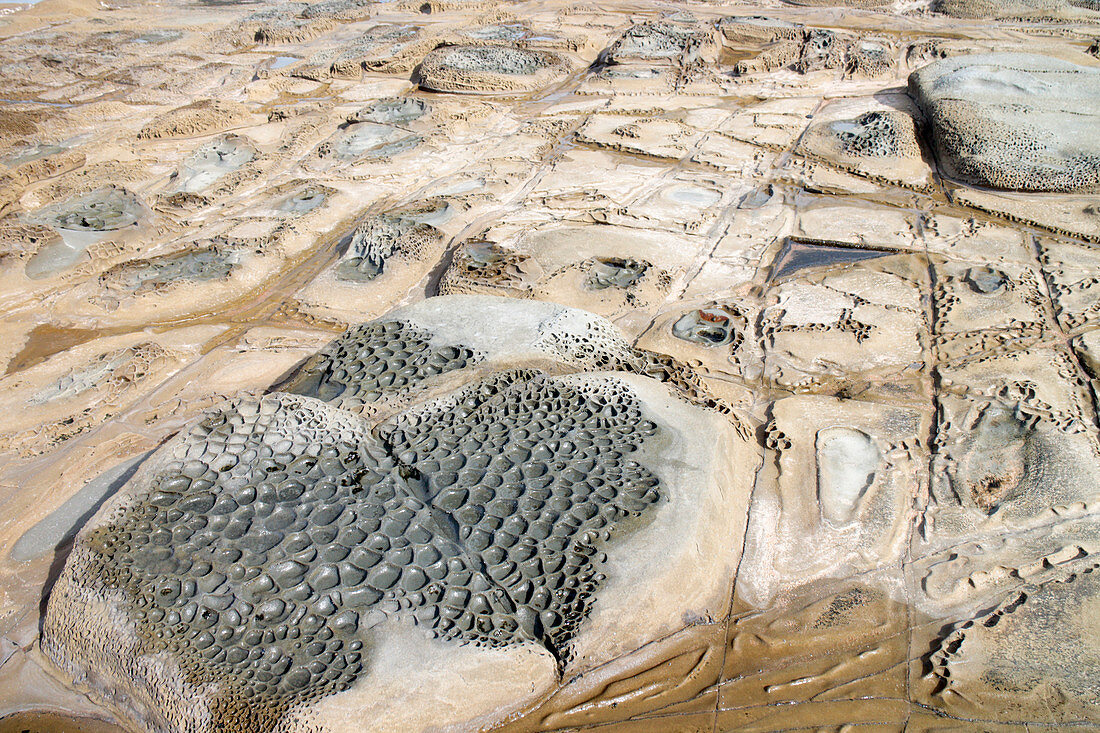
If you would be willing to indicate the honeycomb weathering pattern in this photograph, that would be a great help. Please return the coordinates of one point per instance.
(489, 69)
(376, 363)
(375, 360)
(379, 239)
(879, 133)
(1013, 120)
(652, 40)
(240, 574)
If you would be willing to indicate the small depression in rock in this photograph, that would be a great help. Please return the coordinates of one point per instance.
(617, 272)
(847, 460)
(199, 265)
(213, 160)
(757, 197)
(304, 201)
(46, 340)
(799, 255)
(999, 460)
(705, 326)
(103, 210)
(82, 221)
(693, 196)
(468, 185)
(435, 214)
(159, 37)
(370, 139)
(985, 280)
(482, 253)
(393, 111)
(31, 152)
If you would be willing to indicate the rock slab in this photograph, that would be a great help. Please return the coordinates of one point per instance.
(448, 484)
(1013, 121)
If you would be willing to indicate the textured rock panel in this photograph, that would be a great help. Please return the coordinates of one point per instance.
(489, 69)
(381, 238)
(257, 559)
(1014, 121)
(198, 118)
(679, 41)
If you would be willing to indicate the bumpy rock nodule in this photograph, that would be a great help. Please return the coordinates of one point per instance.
(238, 575)
(380, 238)
(1012, 120)
(489, 69)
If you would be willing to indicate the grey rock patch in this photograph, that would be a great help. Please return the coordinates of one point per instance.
(1013, 121)
(198, 265)
(213, 160)
(489, 69)
(103, 210)
(305, 201)
(683, 41)
(1017, 9)
(82, 221)
(392, 111)
(378, 240)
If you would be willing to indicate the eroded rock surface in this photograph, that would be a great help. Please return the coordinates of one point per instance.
(1013, 121)
(212, 161)
(378, 240)
(239, 578)
(782, 416)
(488, 69)
(1017, 9)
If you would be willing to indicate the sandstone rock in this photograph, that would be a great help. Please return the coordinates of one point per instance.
(673, 40)
(758, 29)
(489, 69)
(398, 110)
(386, 255)
(1017, 9)
(610, 270)
(110, 211)
(843, 470)
(212, 161)
(1033, 649)
(378, 240)
(877, 373)
(198, 118)
(380, 46)
(1014, 121)
(284, 561)
(805, 49)
(367, 141)
(879, 142)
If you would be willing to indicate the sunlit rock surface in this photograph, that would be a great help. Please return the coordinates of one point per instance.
(1014, 121)
(549, 366)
